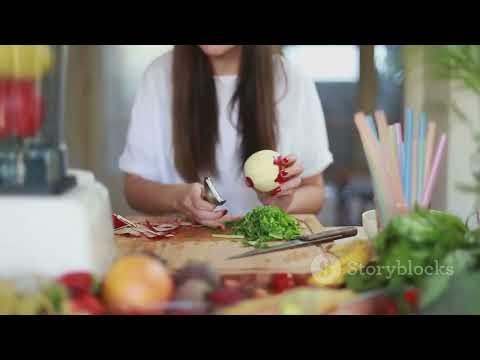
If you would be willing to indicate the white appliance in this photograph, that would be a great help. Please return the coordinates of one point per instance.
(52, 220)
(50, 236)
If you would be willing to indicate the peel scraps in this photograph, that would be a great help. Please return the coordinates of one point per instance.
(147, 229)
(117, 222)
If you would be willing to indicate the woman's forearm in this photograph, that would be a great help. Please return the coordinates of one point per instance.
(152, 198)
(309, 198)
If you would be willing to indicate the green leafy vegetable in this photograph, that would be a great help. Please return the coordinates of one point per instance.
(57, 295)
(425, 249)
(266, 224)
(460, 298)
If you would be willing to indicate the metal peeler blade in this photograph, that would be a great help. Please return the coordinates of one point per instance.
(211, 194)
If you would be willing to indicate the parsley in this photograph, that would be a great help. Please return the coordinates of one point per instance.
(266, 224)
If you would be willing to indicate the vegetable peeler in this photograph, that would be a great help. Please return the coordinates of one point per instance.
(211, 194)
(325, 237)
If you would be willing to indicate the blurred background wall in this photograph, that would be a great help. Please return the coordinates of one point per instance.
(424, 91)
(103, 80)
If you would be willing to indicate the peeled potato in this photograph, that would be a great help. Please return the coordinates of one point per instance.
(261, 169)
(295, 302)
(25, 61)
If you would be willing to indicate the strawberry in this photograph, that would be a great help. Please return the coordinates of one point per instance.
(227, 297)
(87, 304)
(411, 297)
(78, 283)
(282, 282)
(386, 306)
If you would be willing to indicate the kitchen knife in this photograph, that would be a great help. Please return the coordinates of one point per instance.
(325, 237)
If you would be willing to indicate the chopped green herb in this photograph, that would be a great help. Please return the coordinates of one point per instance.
(266, 224)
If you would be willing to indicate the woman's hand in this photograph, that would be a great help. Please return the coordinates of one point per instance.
(197, 209)
(289, 181)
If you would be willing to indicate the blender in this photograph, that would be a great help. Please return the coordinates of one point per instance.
(53, 220)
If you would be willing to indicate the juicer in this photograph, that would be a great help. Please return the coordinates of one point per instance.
(53, 219)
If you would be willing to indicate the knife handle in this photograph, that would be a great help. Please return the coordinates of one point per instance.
(327, 235)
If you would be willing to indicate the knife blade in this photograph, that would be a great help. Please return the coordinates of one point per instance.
(325, 237)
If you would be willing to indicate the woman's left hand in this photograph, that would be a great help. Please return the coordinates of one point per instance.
(289, 181)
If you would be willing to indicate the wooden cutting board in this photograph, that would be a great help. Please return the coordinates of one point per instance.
(197, 244)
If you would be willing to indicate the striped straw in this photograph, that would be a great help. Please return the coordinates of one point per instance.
(393, 143)
(421, 156)
(407, 164)
(414, 175)
(371, 148)
(432, 130)
(373, 128)
(433, 177)
(390, 165)
(399, 142)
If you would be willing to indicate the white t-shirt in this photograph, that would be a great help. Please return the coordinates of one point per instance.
(149, 151)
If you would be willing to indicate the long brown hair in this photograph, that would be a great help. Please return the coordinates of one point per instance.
(196, 113)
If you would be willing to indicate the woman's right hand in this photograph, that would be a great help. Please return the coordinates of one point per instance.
(192, 204)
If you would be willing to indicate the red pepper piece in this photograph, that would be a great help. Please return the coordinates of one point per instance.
(227, 297)
(412, 298)
(282, 283)
(302, 280)
(249, 182)
(117, 223)
(388, 307)
(87, 304)
(78, 283)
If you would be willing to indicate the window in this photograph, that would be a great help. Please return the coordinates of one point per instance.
(327, 63)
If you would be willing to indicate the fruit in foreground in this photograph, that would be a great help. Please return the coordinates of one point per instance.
(193, 290)
(34, 304)
(78, 283)
(227, 297)
(137, 284)
(86, 305)
(197, 271)
(8, 298)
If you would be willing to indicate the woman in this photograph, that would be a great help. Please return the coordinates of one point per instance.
(202, 110)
